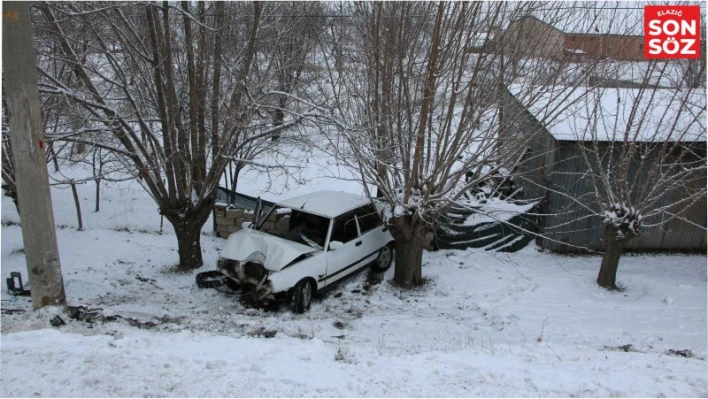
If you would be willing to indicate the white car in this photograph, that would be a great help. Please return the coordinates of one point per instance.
(306, 244)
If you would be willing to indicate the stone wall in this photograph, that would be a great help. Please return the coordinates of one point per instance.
(230, 219)
(277, 224)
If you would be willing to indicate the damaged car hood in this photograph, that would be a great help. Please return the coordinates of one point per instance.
(273, 252)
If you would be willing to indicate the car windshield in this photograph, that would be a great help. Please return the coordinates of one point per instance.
(294, 225)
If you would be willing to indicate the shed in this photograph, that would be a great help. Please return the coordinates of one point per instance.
(553, 169)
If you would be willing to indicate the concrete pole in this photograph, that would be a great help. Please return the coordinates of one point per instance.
(25, 120)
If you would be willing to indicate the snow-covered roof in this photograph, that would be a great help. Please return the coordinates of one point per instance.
(668, 73)
(326, 203)
(604, 114)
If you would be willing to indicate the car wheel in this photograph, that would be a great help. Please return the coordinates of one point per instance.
(383, 261)
(301, 296)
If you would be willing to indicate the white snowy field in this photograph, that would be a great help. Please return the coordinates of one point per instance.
(523, 324)
(125, 205)
(485, 324)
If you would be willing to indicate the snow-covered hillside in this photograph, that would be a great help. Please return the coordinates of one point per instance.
(125, 204)
(521, 324)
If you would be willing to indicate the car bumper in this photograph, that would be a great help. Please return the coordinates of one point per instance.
(249, 277)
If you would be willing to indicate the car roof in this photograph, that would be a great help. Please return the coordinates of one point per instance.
(326, 203)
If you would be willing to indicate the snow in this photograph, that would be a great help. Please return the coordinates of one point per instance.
(497, 210)
(399, 210)
(326, 203)
(660, 74)
(124, 205)
(314, 171)
(522, 324)
(485, 324)
(603, 114)
(624, 219)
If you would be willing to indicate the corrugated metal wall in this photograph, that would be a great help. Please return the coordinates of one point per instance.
(571, 227)
(568, 226)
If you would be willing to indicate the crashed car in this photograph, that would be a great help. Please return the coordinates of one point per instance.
(304, 245)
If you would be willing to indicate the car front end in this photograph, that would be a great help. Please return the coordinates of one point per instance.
(251, 277)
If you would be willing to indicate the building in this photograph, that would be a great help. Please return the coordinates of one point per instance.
(576, 37)
(554, 170)
(601, 46)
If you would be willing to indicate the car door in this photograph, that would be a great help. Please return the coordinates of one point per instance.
(344, 260)
(371, 232)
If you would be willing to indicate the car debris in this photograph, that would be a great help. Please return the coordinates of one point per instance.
(15, 286)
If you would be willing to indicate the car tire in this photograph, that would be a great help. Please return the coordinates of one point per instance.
(383, 261)
(301, 296)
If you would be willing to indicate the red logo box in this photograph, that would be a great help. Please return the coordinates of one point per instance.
(672, 31)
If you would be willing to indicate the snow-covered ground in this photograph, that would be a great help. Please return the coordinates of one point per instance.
(485, 324)
(117, 199)
(523, 324)
(309, 170)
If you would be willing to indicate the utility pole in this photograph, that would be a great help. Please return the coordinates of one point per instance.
(25, 120)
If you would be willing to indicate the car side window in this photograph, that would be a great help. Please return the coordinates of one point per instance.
(368, 218)
(344, 229)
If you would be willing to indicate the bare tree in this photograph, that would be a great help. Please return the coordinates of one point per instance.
(170, 85)
(644, 153)
(288, 34)
(638, 161)
(283, 65)
(417, 107)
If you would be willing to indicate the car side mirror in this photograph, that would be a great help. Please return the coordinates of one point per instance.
(334, 245)
(246, 225)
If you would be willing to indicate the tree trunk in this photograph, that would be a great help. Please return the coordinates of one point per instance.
(98, 178)
(234, 175)
(610, 260)
(189, 245)
(409, 253)
(78, 205)
(54, 156)
(279, 117)
(98, 195)
(188, 229)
